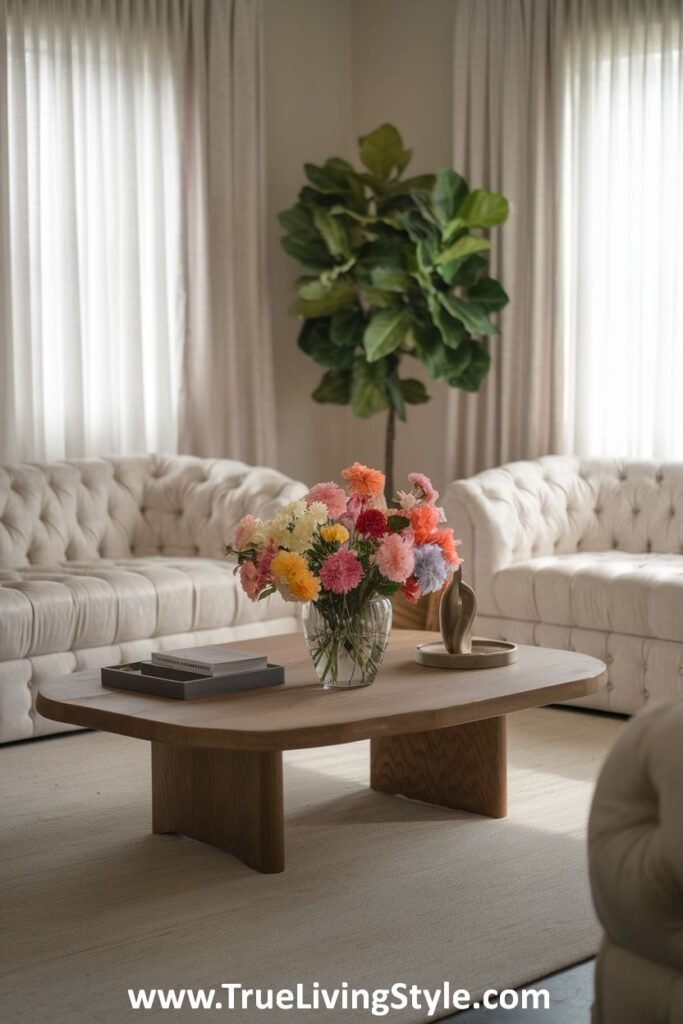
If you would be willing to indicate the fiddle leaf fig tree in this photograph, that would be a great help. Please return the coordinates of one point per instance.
(395, 268)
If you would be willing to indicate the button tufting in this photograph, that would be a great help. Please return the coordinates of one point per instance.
(636, 510)
(672, 512)
(659, 477)
(622, 476)
(610, 686)
(598, 510)
(646, 694)
(648, 546)
(645, 666)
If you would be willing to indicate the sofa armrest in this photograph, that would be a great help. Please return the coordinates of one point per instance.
(519, 511)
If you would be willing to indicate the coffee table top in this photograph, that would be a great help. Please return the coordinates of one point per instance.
(405, 697)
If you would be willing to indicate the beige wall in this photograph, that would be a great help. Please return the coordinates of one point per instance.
(335, 69)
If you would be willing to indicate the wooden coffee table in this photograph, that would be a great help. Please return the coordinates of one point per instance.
(436, 735)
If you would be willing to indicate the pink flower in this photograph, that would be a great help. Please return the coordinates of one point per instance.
(243, 532)
(354, 507)
(249, 577)
(263, 563)
(331, 495)
(422, 483)
(341, 572)
(395, 558)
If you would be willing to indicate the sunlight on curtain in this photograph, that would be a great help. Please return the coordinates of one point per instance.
(96, 293)
(622, 228)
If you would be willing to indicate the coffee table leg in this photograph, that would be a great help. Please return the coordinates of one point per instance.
(464, 767)
(231, 799)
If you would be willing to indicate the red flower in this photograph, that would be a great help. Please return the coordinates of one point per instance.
(371, 523)
(411, 590)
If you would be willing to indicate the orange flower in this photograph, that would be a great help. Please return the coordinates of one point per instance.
(444, 538)
(367, 483)
(424, 520)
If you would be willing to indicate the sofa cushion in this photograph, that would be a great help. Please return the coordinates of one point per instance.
(77, 605)
(613, 591)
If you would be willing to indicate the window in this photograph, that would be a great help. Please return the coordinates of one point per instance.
(622, 231)
(97, 307)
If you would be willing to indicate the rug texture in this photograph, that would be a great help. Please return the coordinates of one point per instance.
(377, 889)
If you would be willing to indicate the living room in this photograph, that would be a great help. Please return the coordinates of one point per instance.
(341, 510)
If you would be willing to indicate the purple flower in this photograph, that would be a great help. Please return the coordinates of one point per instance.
(431, 568)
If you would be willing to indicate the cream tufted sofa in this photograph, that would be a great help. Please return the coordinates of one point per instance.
(586, 555)
(635, 839)
(104, 560)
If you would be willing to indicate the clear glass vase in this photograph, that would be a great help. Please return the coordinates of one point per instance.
(347, 646)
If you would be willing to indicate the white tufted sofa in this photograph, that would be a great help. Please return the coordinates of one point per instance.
(581, 554)
(104, 560)
(635, 839)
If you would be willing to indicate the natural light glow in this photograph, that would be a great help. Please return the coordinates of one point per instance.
(622, 254)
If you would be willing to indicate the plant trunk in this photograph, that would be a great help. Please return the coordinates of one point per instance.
(389, 439)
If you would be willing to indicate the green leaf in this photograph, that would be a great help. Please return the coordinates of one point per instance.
(422, 183)
(397, 522)
(385, 332)
(347, 327)
(463, 272)
(396, 395)
(333, 232)
(391, 280)
(368, 387)
(267, 593)
(379, 299)
(482, 209)
(474, 373)
(382, 151)
(471, 315)
(314, 339)
(446, 363)
(386, 588)
(334, 388)
(318, 299)
(452, 331)
(464, 246)
(448, 195)
(298, 220)
(312, 253)
(414, 391)
(488, 293)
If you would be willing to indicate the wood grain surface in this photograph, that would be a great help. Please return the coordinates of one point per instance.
(231, 799)
(464, 768)
(405, 697)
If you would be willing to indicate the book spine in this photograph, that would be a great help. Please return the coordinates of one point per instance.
(198, 667)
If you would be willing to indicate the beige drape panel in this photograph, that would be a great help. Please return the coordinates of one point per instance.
(227, 403)
(132, 282)
(506, 133)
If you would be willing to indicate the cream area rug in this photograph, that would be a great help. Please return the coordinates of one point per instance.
(378, 890)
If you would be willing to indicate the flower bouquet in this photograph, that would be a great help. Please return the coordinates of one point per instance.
(343, 553)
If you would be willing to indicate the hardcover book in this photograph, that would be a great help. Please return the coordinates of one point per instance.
(210, 661)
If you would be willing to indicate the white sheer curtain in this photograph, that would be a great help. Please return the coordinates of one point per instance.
(131, 229)
(622, 227)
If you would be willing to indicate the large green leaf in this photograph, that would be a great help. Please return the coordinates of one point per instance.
(347, 326)
(311, 252)
(463, 272)
(368, 387)
(334, 388)
(390, 279)
(315, 340)
(482, 209)
(333, 232)
(385, 332)
(317, 299)
(446, 363)
(488, 293)
(298, 220)
(472, 376)
(449, 192)
(465, 246)
(382, 151)
(414, 391)
(471, 315)
(422, 183)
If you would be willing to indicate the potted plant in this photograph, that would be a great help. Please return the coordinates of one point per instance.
(394, 267)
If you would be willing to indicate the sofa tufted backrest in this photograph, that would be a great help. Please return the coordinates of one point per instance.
(562, 504)
(84, 509)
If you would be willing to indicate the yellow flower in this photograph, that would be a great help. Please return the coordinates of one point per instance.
(335, 533)
(295, 581)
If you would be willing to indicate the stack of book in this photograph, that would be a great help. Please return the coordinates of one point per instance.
(195, 672)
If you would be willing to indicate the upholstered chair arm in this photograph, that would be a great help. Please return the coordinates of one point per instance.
(635, 838)
(518, 511)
